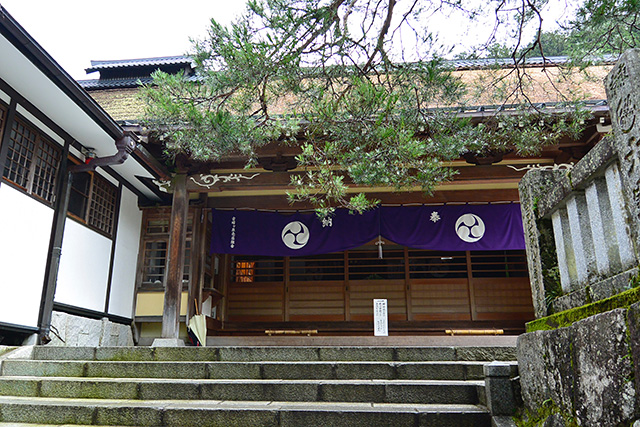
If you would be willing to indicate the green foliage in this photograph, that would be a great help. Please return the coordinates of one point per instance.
(604, 27)
(338, 79)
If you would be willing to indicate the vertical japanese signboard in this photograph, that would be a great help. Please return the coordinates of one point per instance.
(380, 318)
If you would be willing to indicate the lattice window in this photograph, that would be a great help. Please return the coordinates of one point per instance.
(257, 269)
(45, 171)
(317, 267)
(22, 144)
(155, 261)
(102, 208)
(365, 264)
(155, 243)
(32, 162)
(425, 264)
(244, 271)
(499, 263)
(93, 201)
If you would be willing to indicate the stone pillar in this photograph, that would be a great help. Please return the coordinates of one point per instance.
(581, 239)
(531, 188)
(497, 383)
(623, 94)
(619, 217)
(598, 231)
(564, 248)
(175, 260)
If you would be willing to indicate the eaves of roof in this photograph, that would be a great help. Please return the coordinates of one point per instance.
(549, 61)
(141, 62)
(17, 36)
(122, 83)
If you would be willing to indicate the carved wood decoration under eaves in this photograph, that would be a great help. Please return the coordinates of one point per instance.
(207, 181)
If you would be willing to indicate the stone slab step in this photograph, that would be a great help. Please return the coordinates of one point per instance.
(461, 370)
(56, 411)
(267, 353)
(360, 340)
(379, 391)
(47, 425)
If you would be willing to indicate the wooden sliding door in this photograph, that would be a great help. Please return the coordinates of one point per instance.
(419, 285)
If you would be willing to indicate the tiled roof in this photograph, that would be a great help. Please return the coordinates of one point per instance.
(141, 62)
(118, 83)
(469, 64)
(127, 82)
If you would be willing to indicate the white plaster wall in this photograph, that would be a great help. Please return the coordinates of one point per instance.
(84, 267)
(25, 227)
(124, 269)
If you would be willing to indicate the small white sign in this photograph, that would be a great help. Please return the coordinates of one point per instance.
(380, 318)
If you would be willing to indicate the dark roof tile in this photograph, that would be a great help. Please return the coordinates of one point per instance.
(141, 62)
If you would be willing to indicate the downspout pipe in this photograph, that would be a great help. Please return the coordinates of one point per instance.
(125, 145)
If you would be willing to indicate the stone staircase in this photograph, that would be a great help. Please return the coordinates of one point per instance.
(247, 386)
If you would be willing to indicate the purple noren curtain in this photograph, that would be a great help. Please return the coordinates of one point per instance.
(446, 228)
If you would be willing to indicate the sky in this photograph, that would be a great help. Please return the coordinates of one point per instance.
(74, 32)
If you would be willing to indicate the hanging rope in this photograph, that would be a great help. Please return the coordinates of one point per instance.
(379, 244)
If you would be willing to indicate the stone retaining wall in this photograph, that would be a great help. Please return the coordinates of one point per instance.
(587, 371)
(73, 330)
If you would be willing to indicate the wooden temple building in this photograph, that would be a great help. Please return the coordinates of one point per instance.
(428, 291)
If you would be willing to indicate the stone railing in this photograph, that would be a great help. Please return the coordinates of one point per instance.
(579, 363)
(593, 238)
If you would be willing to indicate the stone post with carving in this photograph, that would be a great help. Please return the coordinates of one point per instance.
(623, 93)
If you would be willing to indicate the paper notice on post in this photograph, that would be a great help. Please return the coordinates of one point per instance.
(380, 318)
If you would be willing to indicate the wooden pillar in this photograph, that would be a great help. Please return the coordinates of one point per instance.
(175, 259)
(225, 277)
(285, 290)
(471, 288)
(407, 284)
(198, 252)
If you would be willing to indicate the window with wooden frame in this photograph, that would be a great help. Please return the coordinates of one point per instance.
(249, 269)
(93, 201)
(32, 162)
(155, 247)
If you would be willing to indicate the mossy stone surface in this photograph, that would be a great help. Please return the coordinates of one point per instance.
(569, 317)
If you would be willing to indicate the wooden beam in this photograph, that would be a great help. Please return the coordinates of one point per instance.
(264, 181)
(280, 202)
(175, 259)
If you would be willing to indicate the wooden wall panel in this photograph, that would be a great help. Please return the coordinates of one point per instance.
(256, 302)
(363, 292)
(503, 298)
(440, 299)
(316, 301)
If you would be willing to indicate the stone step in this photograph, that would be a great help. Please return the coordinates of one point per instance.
(56, 411)
(378, 391)
(463, 370)
(267, 353)
(46, 425)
